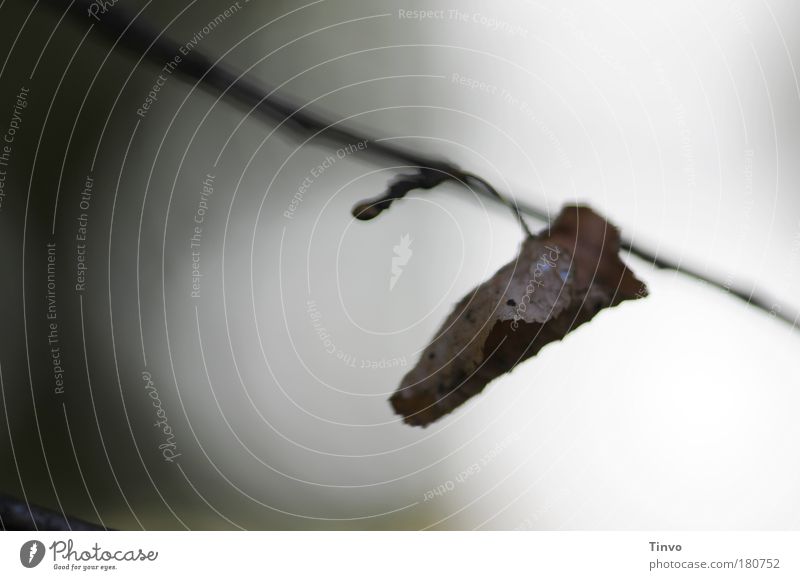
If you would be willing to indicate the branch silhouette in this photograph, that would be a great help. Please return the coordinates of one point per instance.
(129, 30)
(132, 32)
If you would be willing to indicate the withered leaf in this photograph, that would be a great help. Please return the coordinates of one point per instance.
(561, 279)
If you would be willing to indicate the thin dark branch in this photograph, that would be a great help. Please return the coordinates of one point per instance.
(428, 178)
(493, 193)
(123, 27)
(16, 515)
(424, 178)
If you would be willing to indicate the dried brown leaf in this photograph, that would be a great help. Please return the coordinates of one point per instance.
(561, 279)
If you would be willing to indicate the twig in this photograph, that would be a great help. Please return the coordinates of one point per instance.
(123, 27)
(428, 178)
(16, 515)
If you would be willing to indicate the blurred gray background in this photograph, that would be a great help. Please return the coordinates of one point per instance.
(679, 121)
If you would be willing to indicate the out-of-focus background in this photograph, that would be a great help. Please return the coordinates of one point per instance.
(237, 375)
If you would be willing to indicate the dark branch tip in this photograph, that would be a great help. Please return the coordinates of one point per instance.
(366, 210)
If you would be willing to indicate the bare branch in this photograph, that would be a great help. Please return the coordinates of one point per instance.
(123, 27)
